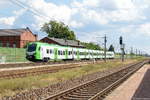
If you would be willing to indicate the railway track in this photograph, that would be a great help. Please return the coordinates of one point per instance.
(16, 65)
(98, 88)
(35, 71)
(17, 73)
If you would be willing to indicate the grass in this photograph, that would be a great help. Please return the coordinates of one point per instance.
(19, 54)
(9, 87)
(13, 54)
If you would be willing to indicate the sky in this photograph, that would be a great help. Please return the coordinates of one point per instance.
(89, 19)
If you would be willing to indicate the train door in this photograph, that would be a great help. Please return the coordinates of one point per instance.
(42, 52)
(72, 54)
(55, 53)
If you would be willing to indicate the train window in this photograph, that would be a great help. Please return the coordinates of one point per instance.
(47, 51)
(63, 52)
(58, 52)
(81, 53)
(31, 47)
(69, 52)
(50, 51)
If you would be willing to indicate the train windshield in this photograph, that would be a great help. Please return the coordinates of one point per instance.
(31, 47)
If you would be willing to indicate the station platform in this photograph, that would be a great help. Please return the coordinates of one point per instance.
(137, 87)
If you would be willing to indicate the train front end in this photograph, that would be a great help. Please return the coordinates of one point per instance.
(31, 51)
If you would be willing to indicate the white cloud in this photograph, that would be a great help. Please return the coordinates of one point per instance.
(94, 16)
(7, 20)
(86, 3)
(5, 3)
(76, 24)
(104, 12)
(52, 11)
(11, 20)
(97, 11)
(144, 29)
(19, 12)
(136, 30)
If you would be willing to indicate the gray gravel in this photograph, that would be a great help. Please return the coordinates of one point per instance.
(38, 94)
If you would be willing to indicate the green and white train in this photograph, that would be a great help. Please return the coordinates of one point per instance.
(37, 51)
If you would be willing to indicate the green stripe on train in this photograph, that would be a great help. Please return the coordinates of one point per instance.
(55, 53)
(38, 54)
(66, 53)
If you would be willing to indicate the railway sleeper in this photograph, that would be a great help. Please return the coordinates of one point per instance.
(84, 93)
(69, 98)
(73, 94)
(93, 89)
(76, 97)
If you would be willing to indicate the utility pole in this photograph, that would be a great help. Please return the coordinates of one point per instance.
(131, 54)
(126, 52)
(105, 46)
(105, 41)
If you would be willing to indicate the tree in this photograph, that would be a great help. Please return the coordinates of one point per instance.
(111, 48)
(58, 30)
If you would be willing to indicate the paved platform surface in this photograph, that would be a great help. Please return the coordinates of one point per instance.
(137, 87)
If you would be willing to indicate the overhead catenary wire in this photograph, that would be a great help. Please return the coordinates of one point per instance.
(29, 8)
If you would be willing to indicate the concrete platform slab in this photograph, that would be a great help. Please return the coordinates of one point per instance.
(137, 87)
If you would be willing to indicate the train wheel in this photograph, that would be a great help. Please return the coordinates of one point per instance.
(45, 60)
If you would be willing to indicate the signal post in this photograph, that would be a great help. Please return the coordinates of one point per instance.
(122, 45)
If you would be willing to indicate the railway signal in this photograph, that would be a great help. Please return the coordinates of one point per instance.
(122, 45)
(121, 42)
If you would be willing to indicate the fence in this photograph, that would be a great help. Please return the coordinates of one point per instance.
(10, 51)
(12, 55)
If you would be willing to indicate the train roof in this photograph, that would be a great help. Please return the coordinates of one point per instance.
(47, 44)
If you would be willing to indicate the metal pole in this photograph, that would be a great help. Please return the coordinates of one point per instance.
(105, 40)
(136, 52)
(122, 49)
(131, 52)
(126, 54)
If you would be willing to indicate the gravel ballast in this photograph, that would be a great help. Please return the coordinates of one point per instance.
(41, 93)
